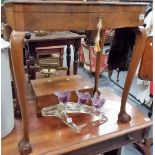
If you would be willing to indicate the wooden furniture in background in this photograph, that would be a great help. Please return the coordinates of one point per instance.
(146, 73)
(89, 56)
(146, 65)
(50, 136)
(44, 90)
(52, 39)
(52, 51)
(67, 15)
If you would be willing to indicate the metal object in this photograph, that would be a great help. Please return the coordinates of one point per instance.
(49, 66)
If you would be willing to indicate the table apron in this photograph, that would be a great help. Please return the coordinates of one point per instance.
(111, 144)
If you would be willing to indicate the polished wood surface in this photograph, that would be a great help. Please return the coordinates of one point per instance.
(44, 90)
(60, 83)
(39, 15)
(51, 136)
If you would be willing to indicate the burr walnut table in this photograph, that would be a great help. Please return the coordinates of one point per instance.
(38, 15)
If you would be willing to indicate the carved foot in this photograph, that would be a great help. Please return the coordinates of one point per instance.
(123, 117)
(24, 147)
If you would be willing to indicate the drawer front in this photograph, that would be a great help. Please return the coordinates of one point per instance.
(111, 144)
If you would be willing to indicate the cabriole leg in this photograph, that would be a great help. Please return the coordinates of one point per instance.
(138, 50)
(17, 43)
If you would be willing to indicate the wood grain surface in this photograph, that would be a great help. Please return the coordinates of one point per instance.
(51, 136)
(45, 91)
(23, 15)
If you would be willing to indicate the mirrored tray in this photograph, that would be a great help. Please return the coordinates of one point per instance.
(62, 110)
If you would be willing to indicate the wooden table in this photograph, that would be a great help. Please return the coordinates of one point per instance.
(50, 136)
(23, 15)
(55, 39)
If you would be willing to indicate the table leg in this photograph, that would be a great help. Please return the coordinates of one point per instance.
(76, 56)
(27, 60)
(17, 42)
(31, 68)
(138, 50)
(68, 57)
(17, 111)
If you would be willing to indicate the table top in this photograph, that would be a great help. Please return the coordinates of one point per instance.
(72, 15)
(51, 135)
(70, 2)
(51, 36)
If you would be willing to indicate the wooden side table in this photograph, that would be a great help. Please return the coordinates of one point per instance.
(50, 51)
(53, 39)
